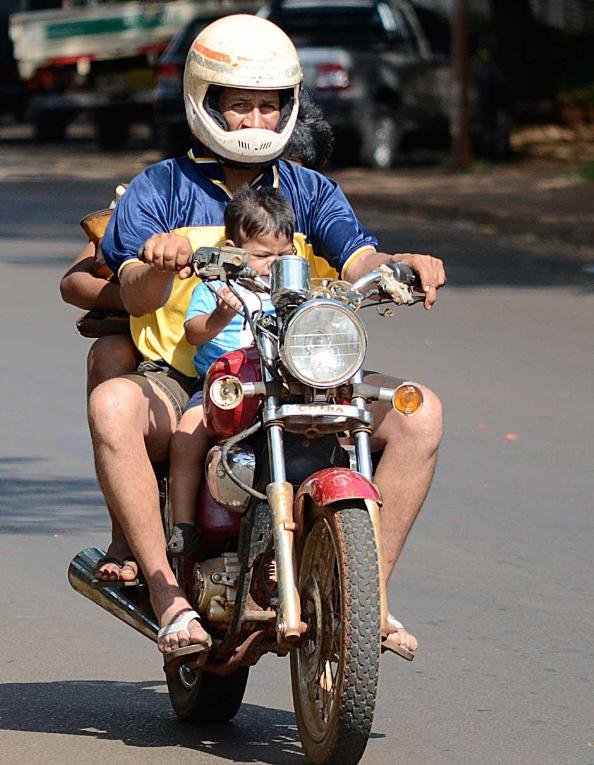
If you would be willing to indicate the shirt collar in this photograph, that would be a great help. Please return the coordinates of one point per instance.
(213, 170)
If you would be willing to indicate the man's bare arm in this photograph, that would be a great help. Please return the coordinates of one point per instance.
(146, 286)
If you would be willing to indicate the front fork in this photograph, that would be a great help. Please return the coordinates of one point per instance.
(365, 467)
(280, 498)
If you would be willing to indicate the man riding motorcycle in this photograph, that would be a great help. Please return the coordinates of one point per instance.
(241, 90)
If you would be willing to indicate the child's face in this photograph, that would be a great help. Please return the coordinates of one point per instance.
(264, 249)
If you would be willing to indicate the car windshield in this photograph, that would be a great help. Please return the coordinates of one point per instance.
(332, 26)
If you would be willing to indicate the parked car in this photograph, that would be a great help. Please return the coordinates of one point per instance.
(96, 58)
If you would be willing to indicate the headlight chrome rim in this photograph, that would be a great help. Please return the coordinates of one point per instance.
(297, 318)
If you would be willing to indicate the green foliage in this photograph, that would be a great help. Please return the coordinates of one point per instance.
(585, 171)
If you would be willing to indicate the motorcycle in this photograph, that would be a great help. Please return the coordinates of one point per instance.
(289, 558)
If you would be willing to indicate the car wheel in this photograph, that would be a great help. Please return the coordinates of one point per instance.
(494, 140)
(111, 132)
(49, 130)
(380, 141)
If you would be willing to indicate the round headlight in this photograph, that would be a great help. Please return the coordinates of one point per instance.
(324, 344)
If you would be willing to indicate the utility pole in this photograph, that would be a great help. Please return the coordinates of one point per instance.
(460, 116)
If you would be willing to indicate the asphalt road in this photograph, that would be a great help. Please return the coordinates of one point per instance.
(496, 579)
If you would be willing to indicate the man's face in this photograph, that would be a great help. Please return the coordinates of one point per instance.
(250, 108)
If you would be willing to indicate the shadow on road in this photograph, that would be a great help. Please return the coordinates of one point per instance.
(474, 258)
(48, 505)
(139, 715)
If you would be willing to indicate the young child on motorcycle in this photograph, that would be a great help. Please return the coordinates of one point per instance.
(262, 222)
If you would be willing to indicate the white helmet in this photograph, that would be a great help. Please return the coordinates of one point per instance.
(241, 51)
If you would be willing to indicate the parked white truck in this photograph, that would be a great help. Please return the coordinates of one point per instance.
(95, 57)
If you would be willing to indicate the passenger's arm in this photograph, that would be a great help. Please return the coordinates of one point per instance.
(82, 287)
(203, 327)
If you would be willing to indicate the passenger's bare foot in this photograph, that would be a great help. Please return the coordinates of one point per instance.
(399, 635)
(169, 603)
(118, 564)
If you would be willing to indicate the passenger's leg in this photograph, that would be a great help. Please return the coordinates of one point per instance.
(186, 456)
(131, 422)
(404, 472)
(112, 356)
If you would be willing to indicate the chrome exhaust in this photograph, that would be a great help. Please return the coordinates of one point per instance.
(117, 601)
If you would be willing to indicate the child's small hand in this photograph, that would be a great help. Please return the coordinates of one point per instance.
(227, 302)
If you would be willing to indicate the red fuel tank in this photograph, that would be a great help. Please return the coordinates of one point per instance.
(217, 524)
(244, 364)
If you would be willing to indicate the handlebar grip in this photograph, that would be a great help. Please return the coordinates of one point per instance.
(404, 274)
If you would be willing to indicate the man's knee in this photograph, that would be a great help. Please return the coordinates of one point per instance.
(424, 427)
(429, 425)
(115, 407)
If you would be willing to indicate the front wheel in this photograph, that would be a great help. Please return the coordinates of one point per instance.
(202, 697)
(335, 668)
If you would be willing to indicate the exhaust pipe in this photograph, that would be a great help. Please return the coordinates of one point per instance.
(125, 605)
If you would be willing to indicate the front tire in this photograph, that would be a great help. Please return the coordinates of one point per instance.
(202, 697)
(334, 670)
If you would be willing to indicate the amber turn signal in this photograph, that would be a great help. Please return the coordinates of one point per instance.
(407, 399)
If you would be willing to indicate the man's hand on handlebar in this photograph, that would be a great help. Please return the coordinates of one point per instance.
(429, 270)
(170, 253)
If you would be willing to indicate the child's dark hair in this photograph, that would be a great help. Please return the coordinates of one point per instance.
(254, 212)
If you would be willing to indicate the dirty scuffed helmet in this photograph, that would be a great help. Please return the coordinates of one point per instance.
(241, 51)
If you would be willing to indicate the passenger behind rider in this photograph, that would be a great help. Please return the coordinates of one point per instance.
(262, 222)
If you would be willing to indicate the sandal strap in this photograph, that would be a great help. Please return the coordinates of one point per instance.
(108, 559)
(395, 623)
(179, 625)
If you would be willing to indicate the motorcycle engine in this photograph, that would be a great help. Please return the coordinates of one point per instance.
(214, 587)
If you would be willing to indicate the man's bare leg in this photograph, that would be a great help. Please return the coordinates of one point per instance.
(112, 356)
(129, 416)
(404, 473)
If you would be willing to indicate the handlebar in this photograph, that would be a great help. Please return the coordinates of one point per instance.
(218, 262)
(404, 274)
(395, 280)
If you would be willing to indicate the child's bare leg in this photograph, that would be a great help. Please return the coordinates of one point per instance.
(186, 457)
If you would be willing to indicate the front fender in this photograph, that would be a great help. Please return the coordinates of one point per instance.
(333, 485)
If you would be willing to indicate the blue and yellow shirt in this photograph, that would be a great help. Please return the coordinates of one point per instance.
(187, 195)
